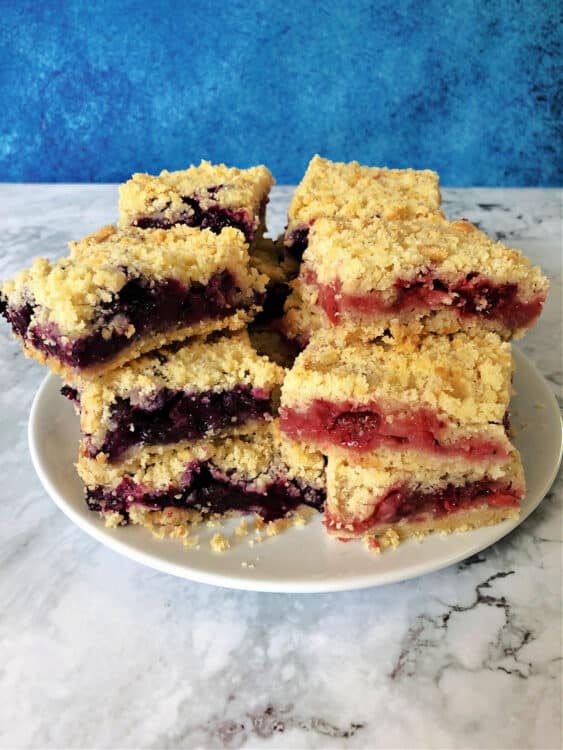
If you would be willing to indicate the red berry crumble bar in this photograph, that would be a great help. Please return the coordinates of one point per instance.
(122, 293)
(384, 503)
(449, 274)
(207, 196)
(257, 472)
(190, 391)
(351, 191)
(445, 396)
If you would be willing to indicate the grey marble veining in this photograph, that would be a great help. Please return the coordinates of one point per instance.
(97, 651)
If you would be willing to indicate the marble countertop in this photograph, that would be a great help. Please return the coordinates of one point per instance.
(97, 651)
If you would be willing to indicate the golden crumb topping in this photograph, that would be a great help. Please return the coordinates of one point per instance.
(256, 458)
(70, 291)
(195, 366)
(163, 194)
(181, 252)
(351, 191)
(371, 255)
(466, 378)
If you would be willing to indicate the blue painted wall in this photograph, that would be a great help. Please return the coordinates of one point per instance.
(92, 91)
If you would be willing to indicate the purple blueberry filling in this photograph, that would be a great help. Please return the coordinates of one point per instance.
(210, 493)
(178, 415)
(19, 318)
(215, 217)
(162, 306)
(298, 241)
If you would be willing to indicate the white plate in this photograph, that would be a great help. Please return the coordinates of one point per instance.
(300, 559)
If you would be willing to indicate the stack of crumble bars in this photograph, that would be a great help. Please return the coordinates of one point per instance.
(394, 417)
(146, 324)
(405, 381)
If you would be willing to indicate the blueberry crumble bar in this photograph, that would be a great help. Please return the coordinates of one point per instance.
(384, 504)
(207, 196)
(256, 472)
(122, 293)
(352, 191)
(190, 391)
(447, 273)
(445, 396)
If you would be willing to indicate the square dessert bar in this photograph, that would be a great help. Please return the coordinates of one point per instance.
(445, 396)
(122, 293)
(258, 472)
(351, 191)
(190, 391)
(208, 196)
(449, 274)
(385, 504)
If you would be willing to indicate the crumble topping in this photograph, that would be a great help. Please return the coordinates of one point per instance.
(181, 252)
(350, 191)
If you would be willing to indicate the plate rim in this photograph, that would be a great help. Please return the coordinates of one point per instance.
(236, 581)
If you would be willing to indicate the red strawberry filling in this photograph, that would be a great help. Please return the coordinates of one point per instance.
(370, 426)
(414, 504)
(472, 296)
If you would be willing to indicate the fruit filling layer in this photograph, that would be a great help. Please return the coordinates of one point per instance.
(369, 426)
(414, 504)
(207, 490)
(214, 217)
(172, 416)
(472, 296)
(149, 308)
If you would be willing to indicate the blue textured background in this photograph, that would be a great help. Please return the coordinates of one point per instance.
(95, 91)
